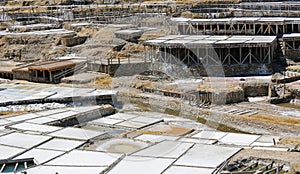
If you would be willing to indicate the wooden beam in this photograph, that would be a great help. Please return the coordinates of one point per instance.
(240, 58)
(269, 55)
(50, 74)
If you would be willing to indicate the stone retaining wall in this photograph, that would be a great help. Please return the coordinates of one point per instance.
(255, 89)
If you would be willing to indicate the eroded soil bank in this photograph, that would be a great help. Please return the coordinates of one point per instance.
(265, 120)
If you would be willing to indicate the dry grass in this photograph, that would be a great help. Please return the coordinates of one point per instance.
(170, 88)
(9, 114)
(212, 87)
(175, 101)
(204, 87)
(294, 68)
(290, 141)
(133, 48)
(141, 84)
(87, 32)
(275, 119)
(150, 132)
(166, 130)
(106, 80)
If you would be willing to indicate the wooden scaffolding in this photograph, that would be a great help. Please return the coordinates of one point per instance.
(211, 50)
(239, 26)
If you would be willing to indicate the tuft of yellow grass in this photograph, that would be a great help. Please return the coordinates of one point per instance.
(294, 68)
(8, 114)
(275, 119)
(137, 84)
(213, 87)
(106, 80)
(289, 141)
(170, 88)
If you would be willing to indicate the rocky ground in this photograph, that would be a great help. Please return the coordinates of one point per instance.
(259, 117)
(264, 118)
(253, 117)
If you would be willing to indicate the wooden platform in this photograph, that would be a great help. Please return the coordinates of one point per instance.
(211, 50)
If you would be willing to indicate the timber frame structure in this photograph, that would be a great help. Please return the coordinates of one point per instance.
(205, 50)
(291, 46)
(283, 5)
(239, 26)
(48, 71)
(94, 12)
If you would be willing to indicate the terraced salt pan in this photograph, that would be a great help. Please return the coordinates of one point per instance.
(165, 149)
(22, 140)
(189, 170)
(40, 155)
(64, 170)
(61, 144)
(76, 133)
(22, 117)
(41, 120)
(86, 159)
(239, 139)
(34, 127)
(207, 156)
(154, 138)
(144, 165)
(210, 135)
(8, 152)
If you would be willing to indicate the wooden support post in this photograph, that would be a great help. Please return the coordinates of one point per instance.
(294, 45)
(165, 54)
(36, 75)
(153, 54)
(272, 53)
(44, 76)
(256, 53)
(229, 56)
(145, 50)
(284, 47)
(269, 56)
(168, 55)
(148, 51)
(188, 57)
(50, 74)
(260, 53)
(198, 57)
(250, 56)
(240, 49)
(206, 55)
